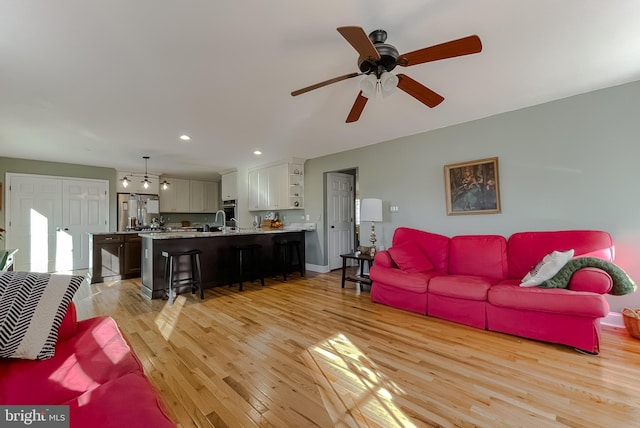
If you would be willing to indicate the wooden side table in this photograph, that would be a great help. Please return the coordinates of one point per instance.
(360, 277)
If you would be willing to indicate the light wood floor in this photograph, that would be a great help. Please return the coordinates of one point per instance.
(308, 353)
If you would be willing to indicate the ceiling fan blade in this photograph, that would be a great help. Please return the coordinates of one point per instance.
(464, 46)
(360, 42)
(418, 91)
(357, 108)
(325, 83)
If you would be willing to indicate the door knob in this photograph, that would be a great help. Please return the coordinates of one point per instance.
(333, 227)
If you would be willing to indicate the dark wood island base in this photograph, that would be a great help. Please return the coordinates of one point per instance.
(217, 255)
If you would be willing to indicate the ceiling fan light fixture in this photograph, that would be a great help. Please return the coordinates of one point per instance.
(388, 83)
(165, 185)
(368, 86)
(125, 181)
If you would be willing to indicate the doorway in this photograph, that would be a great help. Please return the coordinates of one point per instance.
(340, 215)
(49, 220)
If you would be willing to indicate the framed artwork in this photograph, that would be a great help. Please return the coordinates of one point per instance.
(472, 187)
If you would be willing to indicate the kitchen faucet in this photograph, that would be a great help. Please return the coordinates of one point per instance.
(224, 221)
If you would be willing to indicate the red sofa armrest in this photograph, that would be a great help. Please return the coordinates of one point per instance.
(383, 259)
(69, 326)
(591, 279)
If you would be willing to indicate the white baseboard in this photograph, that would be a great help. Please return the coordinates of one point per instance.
(614, 319)
(317, 268)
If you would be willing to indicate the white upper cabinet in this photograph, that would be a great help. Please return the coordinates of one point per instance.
(210, 197)
(189, 196)
(230, 186)
(277, 190)
(176, 198)
(258, 189)
(276, 187)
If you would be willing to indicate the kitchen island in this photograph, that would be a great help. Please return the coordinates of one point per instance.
(217, 256)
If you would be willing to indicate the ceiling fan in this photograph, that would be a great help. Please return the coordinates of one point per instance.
(378, 58)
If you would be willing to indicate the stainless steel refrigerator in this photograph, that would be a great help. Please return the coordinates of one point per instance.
(136, 210)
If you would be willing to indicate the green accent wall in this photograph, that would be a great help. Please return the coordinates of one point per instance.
(566, 164)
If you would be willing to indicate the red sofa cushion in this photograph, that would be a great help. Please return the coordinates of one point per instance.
(460, 287)
(526, 249)
(591, 279)
(129, 401)
(415, 282)
(555, 300)
(410, 258)
(95, 355)
(434, 246)
(478, 255)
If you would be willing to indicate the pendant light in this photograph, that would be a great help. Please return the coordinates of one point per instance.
(125, 181)
(145, 182)
(165, 185)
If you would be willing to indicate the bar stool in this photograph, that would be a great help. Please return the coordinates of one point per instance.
(172, 267)
(283, 256)
(248, 256)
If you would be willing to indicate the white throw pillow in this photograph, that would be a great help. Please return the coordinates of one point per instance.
(547, 268)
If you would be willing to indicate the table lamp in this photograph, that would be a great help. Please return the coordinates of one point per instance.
(371, 210)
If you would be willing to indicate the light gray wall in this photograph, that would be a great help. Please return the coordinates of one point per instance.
(568, 164)
(26, 166)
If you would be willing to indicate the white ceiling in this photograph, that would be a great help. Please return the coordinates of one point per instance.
(106, 82)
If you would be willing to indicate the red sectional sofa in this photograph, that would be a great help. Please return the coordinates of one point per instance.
(93, 371)
(475, 280)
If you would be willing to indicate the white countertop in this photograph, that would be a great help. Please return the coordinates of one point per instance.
(299, 227)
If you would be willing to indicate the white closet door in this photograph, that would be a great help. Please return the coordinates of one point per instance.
(84, 211)
(49, 219)
(35, 215)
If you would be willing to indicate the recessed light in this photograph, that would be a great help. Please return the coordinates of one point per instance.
(185, 137)
(257, 152)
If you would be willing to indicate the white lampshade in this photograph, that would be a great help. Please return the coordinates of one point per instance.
(368, 86)
(388, 82)
(371, 210)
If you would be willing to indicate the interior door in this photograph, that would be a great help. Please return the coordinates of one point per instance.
(49, 219)
(84, 211)
(340, 217)
(35, 215)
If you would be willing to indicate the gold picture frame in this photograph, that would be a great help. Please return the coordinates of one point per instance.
(472, 187)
